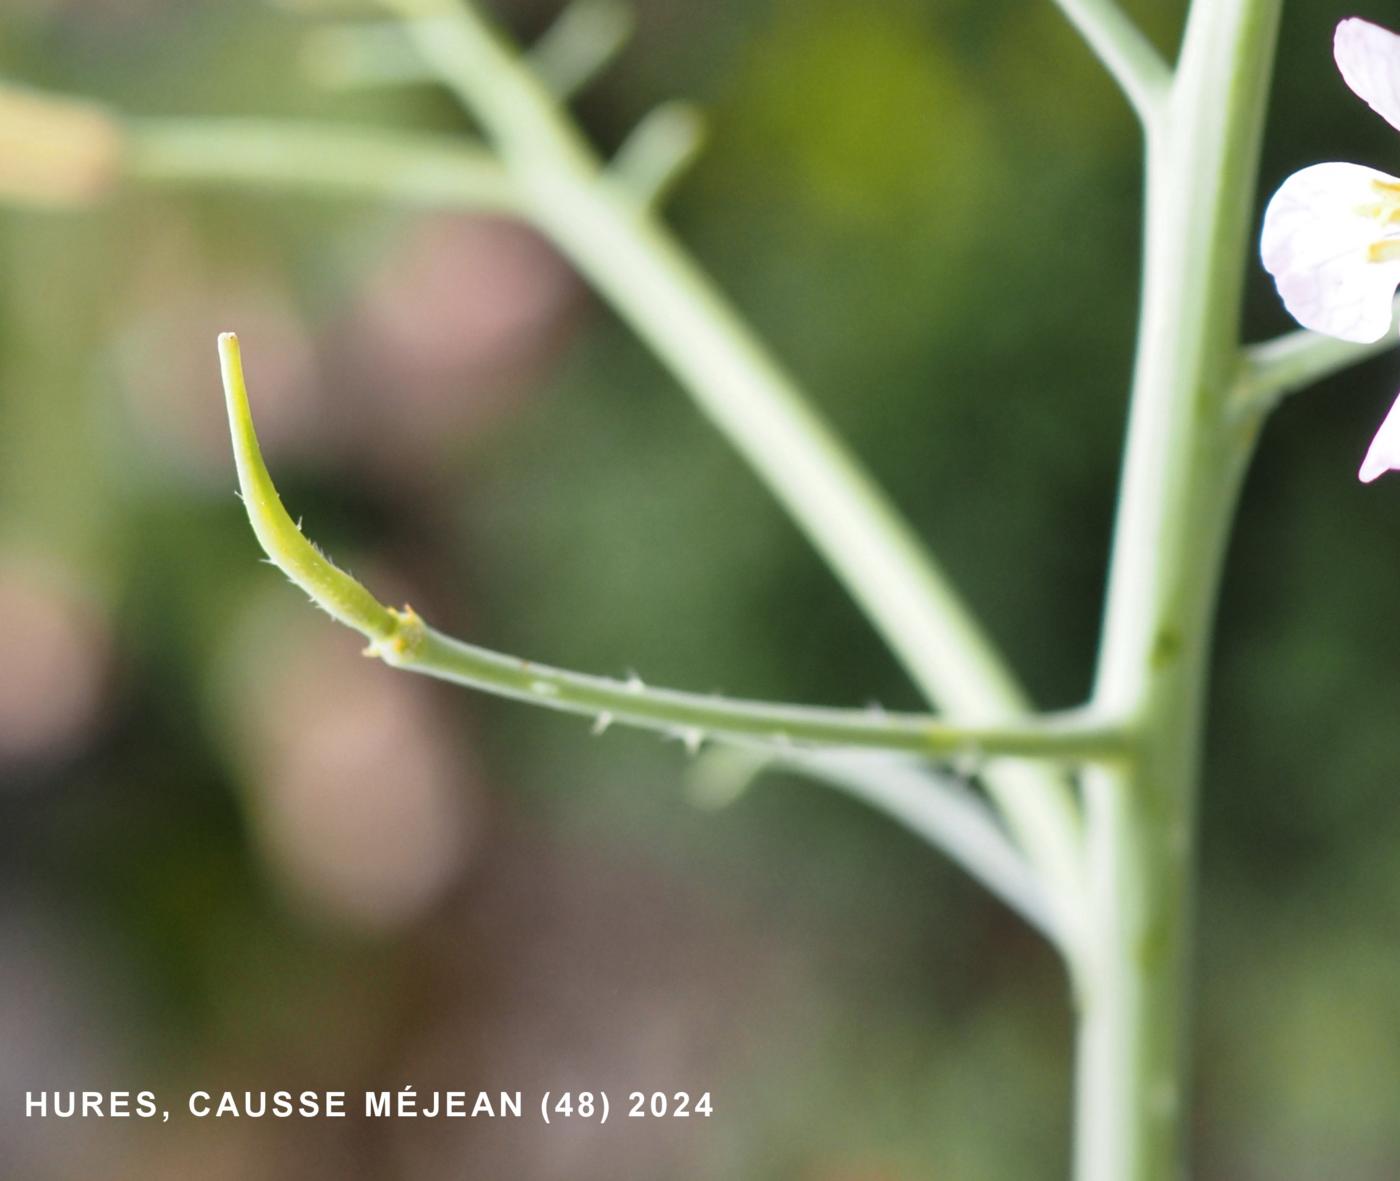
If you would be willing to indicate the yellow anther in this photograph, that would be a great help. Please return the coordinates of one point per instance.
(1386, 210)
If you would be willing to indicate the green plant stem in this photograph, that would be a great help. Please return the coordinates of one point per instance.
(362, 56)
(1273, 369)
(1186, 454)
(942, 810)
(1135, 64)
(320, 158)
(633, 260)
(1070, 738)
(403, 640)
(659, 150)
(578, 46)
(933, 803)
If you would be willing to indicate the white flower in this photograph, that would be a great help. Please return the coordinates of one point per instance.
(1332, 250)
(1331, 235)
(1332, 232)
(1383, 455)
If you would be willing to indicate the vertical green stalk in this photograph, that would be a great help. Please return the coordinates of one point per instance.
(1185, 458)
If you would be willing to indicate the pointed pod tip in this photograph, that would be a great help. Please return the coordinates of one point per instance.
(230, 357)
(281, 538)
(231, 370)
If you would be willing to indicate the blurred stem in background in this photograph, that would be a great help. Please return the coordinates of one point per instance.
(1108, 873)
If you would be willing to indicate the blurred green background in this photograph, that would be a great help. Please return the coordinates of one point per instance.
(234, 855)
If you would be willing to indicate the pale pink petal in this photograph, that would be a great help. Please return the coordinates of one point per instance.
(1369, 59)
(1383, 455)
(1315, 244)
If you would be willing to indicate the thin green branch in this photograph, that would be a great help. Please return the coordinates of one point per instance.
(1067, 738)
(659, 150)
(1126, 53)
(634, 261)
(937, 806)
(1273, 369)
(403, 640)
(573, 51)
(362, 55)
(948, 815)
(317, 157)
(580, 44)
